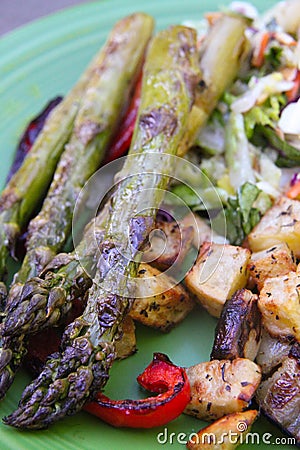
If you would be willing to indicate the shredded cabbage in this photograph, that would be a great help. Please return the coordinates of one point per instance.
(237, 154)
(259, 90)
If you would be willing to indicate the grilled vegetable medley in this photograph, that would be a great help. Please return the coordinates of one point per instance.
(204, 214)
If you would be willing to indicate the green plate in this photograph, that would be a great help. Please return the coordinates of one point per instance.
(42, 60)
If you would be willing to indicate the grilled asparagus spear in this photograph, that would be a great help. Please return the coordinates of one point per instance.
(221, 55)
(50, 299)
(81, 369)
(27, 187)
(106, 94)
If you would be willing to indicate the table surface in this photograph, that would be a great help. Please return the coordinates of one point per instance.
(14, 13)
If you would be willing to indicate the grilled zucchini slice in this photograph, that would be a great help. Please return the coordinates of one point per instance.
(272, 351)
(279, 395)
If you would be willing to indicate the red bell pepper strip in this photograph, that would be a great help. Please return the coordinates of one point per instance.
(161, 376)
(30, 134)
(118, 147)
(122, 140)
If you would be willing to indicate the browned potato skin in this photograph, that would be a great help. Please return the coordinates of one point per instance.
(279, 395)
(281, 223)
(167, 305)
(126, 344)
(275, 261)
(202, 231)
(220, 270)
(272, 351)
(215, 436)
(178, 242)
(221, 387)
(238, 330)
(279, 305)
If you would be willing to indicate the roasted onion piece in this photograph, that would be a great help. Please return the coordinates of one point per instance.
(279, 395)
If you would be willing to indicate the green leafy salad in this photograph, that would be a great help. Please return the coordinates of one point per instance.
(253, 132)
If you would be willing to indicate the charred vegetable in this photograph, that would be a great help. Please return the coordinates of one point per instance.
(88, 343)
(279, 305)
(272, 351)
(27, 187)
(279, 395)
(220, 270)
(107, 92)
(30, 135)
(122, 140)
(239, 328)
(273, 262)
(221, 387)
(46, 342)
(217, 435)
(160, 303)
(43, 302)
(225, 45)
(170, 246)
(281, 223)
(171, 384)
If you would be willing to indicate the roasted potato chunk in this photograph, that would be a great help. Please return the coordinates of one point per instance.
(226, 433)
(238, 330)
(126, 344)
(160, 303)
(220, 270)
(281, 223)
(272, 352)
(279, 305)
(273, 262)
(279, 395)
(221, 387)
(169, 245)
(202, 231)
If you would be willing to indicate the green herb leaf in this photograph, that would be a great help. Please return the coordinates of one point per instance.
(241, 213)
(265, 114)
(273, 57)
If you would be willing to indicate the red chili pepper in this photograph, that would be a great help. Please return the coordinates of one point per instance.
(162, 377)
(122, 140)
